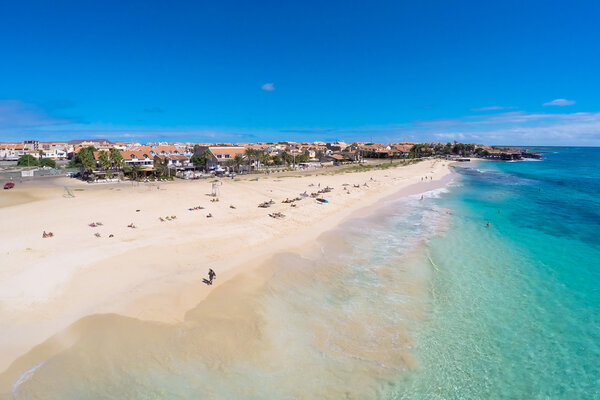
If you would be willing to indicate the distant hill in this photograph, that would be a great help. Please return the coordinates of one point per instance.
(78, 141)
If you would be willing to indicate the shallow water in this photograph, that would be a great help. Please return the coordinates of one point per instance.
(419, 300)
(515, 308)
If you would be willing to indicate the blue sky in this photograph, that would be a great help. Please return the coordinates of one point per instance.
(509, 72)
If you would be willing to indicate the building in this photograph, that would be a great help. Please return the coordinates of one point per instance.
(220, 155)
(11, 151)
(138, 157)
(337, 146)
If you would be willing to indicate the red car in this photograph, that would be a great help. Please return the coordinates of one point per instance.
(9, 185)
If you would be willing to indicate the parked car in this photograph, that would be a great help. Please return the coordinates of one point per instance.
(9, 185)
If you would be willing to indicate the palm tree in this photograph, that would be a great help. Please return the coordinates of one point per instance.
(264, 158)
(238, 161)
(135, 172)
(250, 156)
(116, 158)
(104, 160)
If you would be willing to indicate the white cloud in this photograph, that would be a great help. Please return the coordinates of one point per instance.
(20, 121)
(269, 87)
(507, 128)
(560, 102)
(492, 108)
(17, 114)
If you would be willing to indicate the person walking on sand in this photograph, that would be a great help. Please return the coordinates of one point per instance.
(211, 275)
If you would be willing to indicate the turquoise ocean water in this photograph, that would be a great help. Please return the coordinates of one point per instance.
(419, 300)
(515, 308)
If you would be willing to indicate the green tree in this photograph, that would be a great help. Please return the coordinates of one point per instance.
(133, 171)
(200, 160)
(276, 159)
(86, 158)
(255, 155)
(116, 158)
(419, 150)
(47, 162)
(264, 158)
(302, 158)
(27, 160)
(238, 160)
(447, 149)
(286, 157)
(104, 160)
(161, 166)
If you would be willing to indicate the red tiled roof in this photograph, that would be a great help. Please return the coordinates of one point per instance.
(139, 155)
(232, 151)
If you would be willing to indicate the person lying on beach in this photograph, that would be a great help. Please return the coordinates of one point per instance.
(209, 215)
(92, 225)
(232, 206)
(47, 235)
(111, 235)
(97, 234)
(161, 219)
(131, 225)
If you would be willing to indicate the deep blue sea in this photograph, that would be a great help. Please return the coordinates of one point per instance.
(515, 308)
(421, 300)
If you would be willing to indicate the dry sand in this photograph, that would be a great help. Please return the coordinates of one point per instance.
(155, 272)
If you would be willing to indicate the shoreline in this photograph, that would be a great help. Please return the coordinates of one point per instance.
(168, 300)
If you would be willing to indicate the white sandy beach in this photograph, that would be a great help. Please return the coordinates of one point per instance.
(155, 272)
